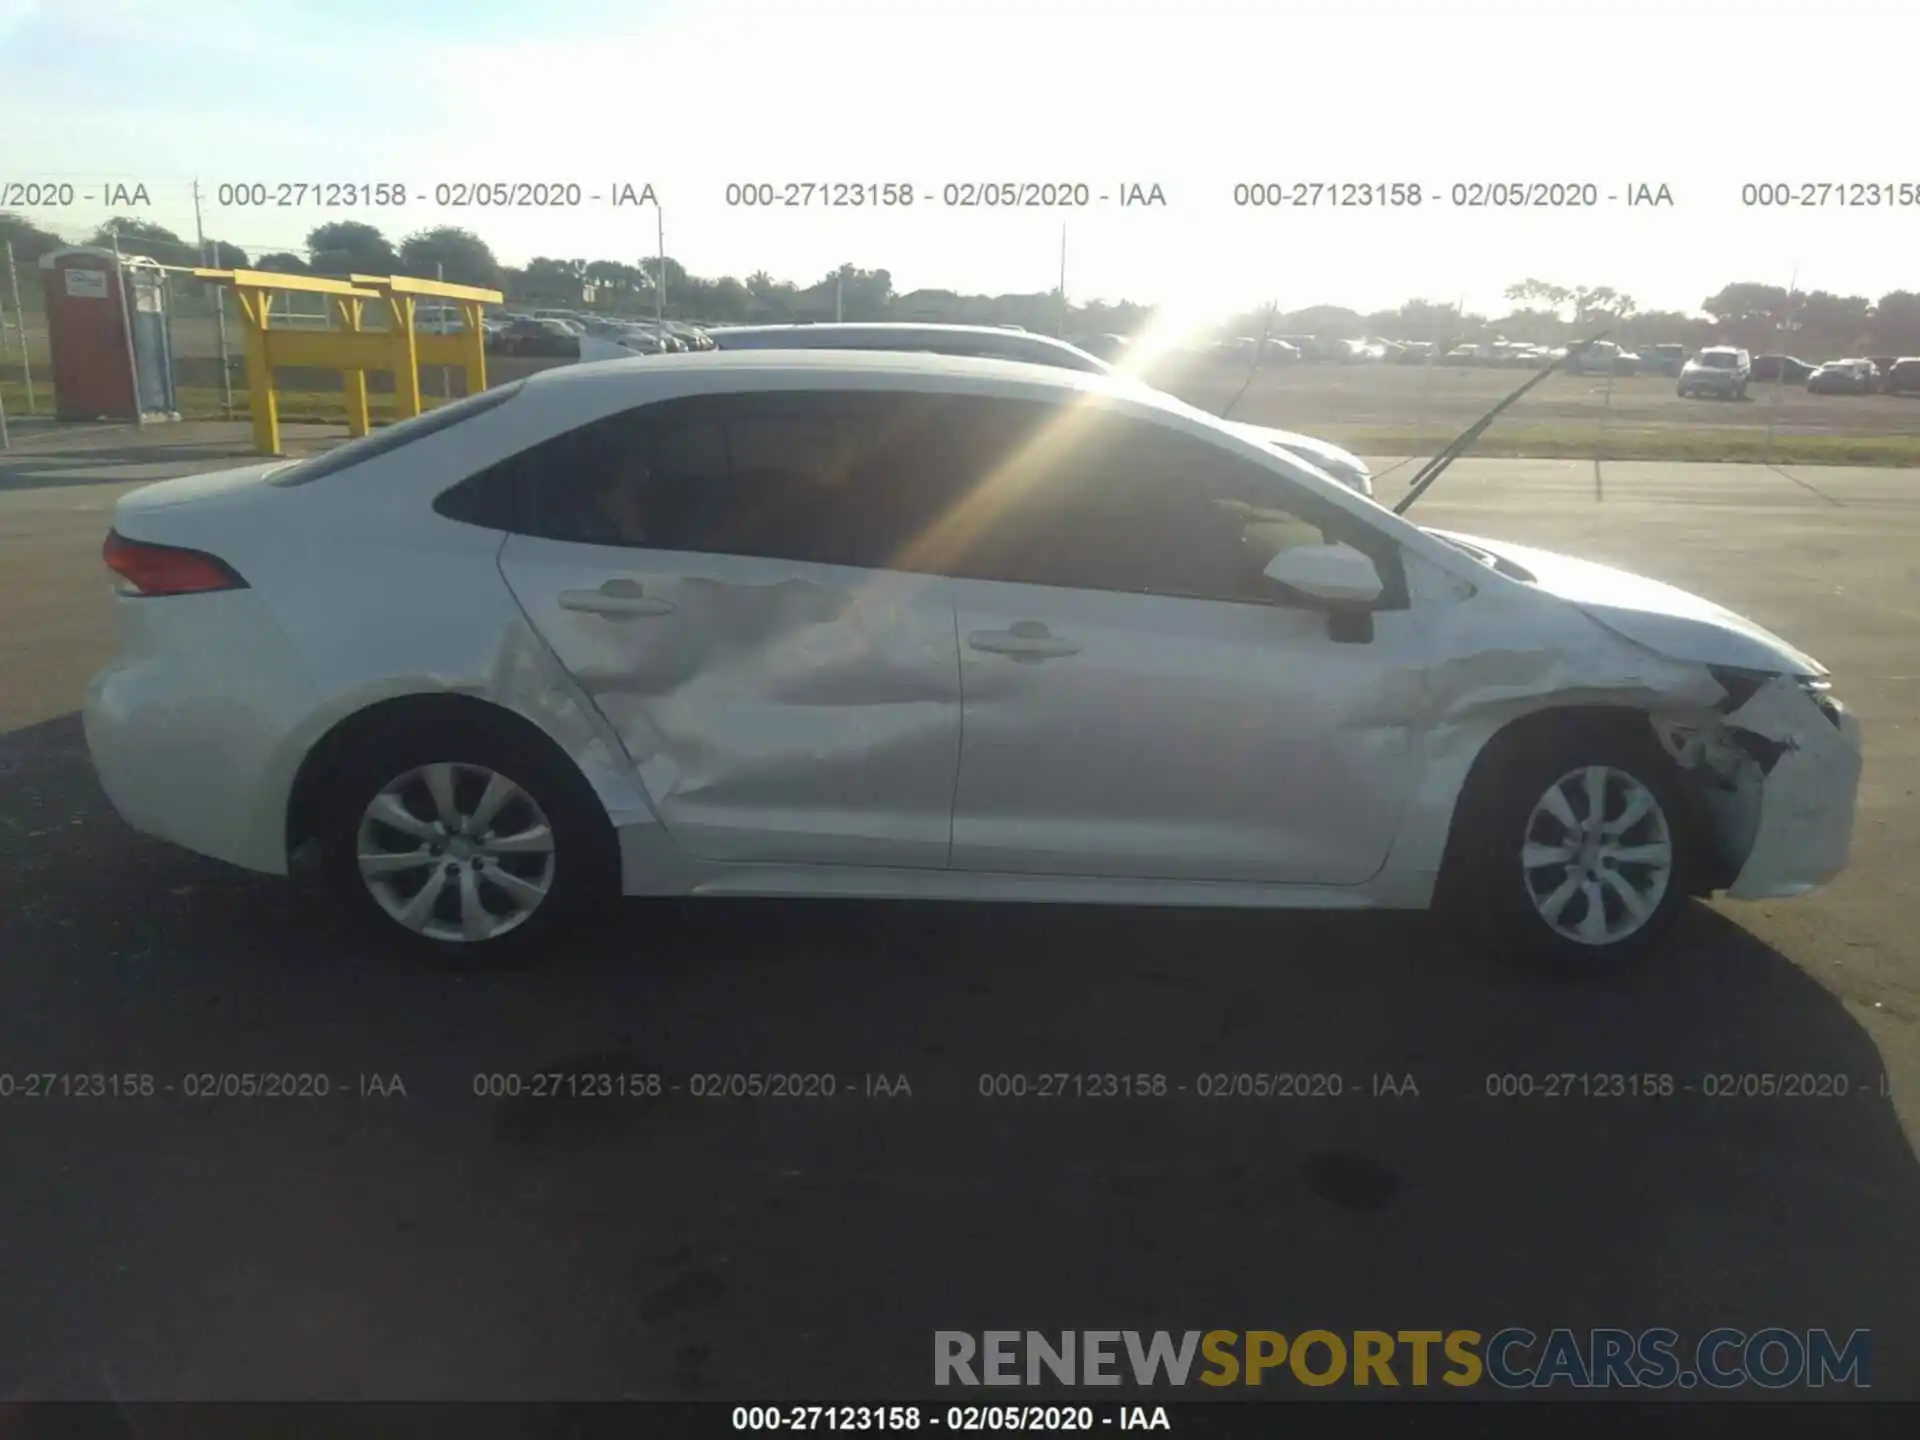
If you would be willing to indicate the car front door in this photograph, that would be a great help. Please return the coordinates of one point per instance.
(709, 570)
(1138, 699)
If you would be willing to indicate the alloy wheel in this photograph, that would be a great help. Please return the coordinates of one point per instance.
(456, 852)
(1597, 855)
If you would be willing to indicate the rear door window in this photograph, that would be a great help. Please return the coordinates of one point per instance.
(816, 476)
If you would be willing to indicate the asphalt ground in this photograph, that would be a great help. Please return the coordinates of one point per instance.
(442, 1244)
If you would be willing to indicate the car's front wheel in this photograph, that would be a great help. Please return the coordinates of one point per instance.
(1574, 852)
(472, 846)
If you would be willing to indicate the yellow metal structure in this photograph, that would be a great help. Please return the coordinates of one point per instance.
(349, 346)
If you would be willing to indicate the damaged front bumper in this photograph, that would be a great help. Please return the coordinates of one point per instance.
(1778, 776)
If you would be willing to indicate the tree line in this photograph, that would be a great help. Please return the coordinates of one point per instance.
(1756, 316)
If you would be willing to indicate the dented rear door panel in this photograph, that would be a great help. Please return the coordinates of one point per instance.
(775, 711)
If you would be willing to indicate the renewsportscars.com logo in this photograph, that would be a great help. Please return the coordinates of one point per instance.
(1512, 1359)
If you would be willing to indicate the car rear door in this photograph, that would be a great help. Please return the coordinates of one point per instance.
(711, 572)
(1139, 701)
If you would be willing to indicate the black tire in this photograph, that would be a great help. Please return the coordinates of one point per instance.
(579, 871)
(1485, 885)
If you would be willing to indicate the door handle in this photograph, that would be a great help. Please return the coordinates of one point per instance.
(623, 598)
(1028, 640)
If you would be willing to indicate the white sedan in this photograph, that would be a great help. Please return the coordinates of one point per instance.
(910, 625)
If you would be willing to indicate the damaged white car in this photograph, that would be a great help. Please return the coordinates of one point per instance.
(907, 625)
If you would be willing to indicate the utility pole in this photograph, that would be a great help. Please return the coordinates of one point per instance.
(1780, 378)
(660, 289)
(211, 261)
(1062, 331)
(20, 319)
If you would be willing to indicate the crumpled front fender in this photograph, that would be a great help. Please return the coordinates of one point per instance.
(1780, 777)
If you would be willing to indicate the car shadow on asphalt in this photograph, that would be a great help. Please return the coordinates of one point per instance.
(869, 1121)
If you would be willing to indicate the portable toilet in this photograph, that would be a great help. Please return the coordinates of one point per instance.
(107, 329)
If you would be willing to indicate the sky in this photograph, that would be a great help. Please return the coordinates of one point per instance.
(1193, 96)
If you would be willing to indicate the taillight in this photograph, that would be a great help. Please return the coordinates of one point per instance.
(147, 569)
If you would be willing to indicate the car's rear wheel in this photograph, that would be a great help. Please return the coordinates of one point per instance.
(470, 846)
(1574, 852)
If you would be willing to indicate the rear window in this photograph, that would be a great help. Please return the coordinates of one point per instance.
(391, 437)
(1720, 359)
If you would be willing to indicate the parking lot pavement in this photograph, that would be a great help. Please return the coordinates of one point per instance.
(438, 1244)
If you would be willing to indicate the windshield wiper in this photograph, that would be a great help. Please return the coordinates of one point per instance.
(1259, 354)
(1430, 471)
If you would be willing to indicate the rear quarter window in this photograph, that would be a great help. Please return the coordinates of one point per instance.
(393, 437)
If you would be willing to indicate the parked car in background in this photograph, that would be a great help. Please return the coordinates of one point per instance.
(644, 340)
(623, 341)
(539, 338)
(669, 342)
(1904, 377)
(1600, 357)
(1719, 371)
(689, 335)
(1462, 355)
(1326, 349)
(1882, 364)
(1844, 377)
(438, 320)
(575, 322)
(1518, 355)
(1663, 359)
(491, 673)
(992, 343)
(1781, 370)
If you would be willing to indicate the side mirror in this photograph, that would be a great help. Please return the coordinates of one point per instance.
(1334, 574)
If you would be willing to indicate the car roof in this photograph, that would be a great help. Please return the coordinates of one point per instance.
(777, 368)
(598, 386)
(879, 334)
